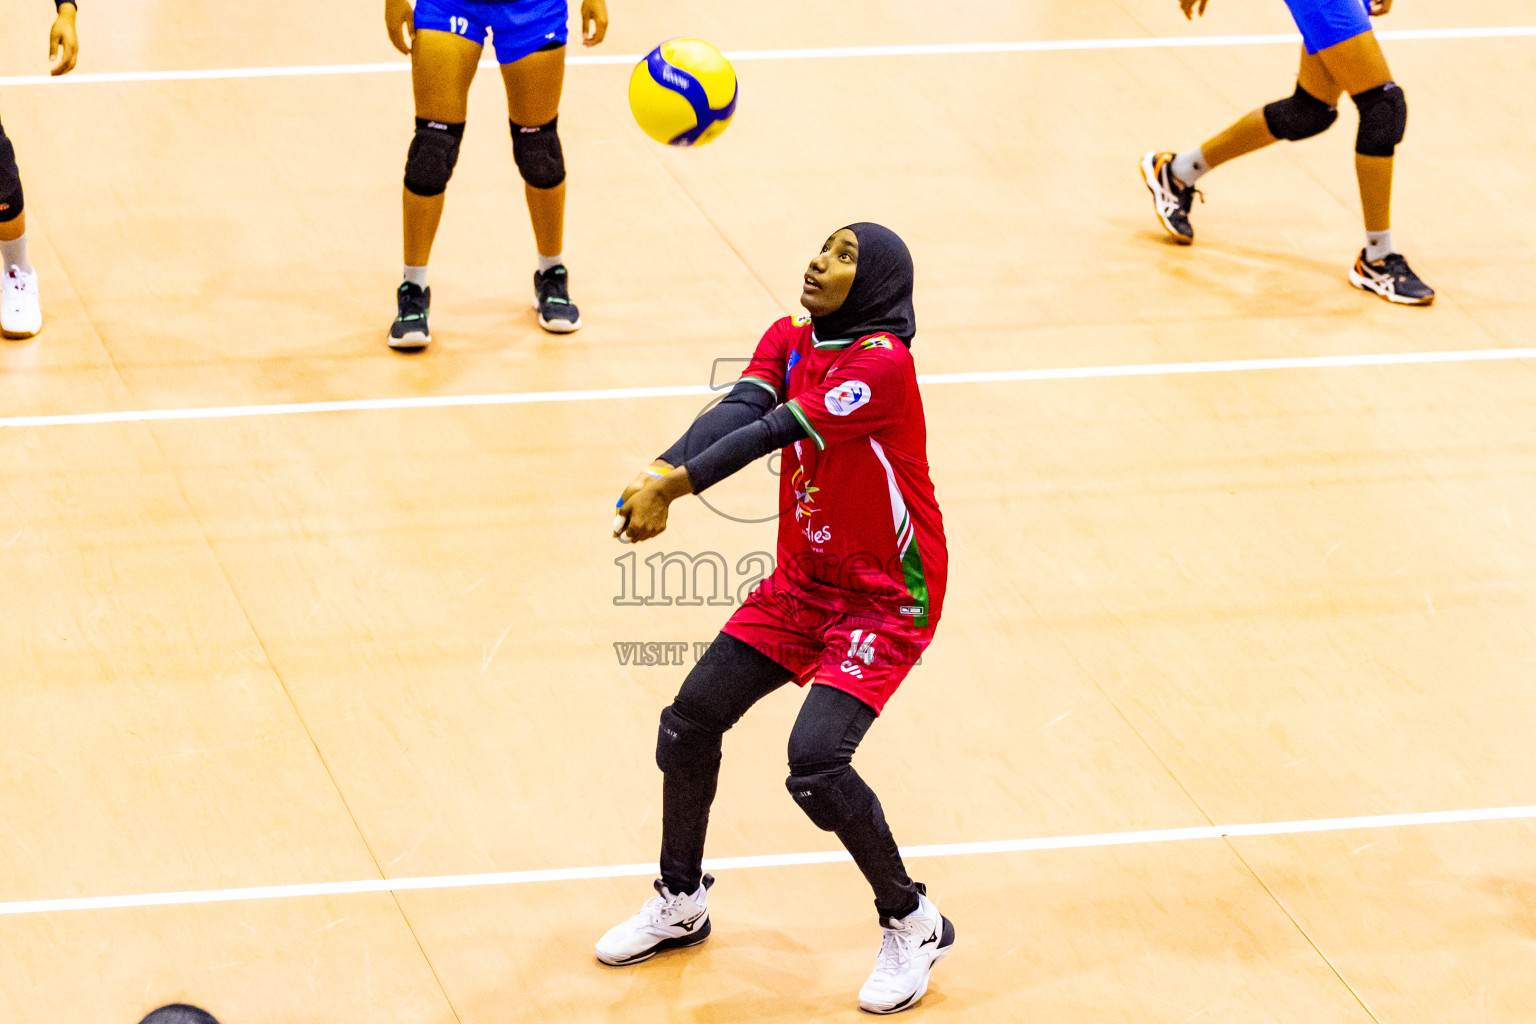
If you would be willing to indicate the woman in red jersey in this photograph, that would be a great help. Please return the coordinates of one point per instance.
(851, 606)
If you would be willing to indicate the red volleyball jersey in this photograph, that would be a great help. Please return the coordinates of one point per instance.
(858, 521)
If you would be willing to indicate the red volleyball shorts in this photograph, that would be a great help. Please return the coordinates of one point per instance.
(865, 653)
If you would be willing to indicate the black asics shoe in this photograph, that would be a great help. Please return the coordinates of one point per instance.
(1392, 279)
(409, 333)
(1171, 198)
(557, 313)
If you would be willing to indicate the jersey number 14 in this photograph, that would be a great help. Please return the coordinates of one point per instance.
(862, 649)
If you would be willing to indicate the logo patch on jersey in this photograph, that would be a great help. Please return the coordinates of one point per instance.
(805, 494)
(847, 396)
(789, 367)
(912, 609)
(800, 319)
(880, 342)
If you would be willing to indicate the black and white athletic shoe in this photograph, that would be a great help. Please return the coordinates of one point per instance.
(409, 332)
(557, 313)
(1171, 198)
(1392, 279)
(668, 920)
(909, 948)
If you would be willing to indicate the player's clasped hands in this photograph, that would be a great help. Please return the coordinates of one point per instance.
(642, 510)
(644, 514)
(651, 473)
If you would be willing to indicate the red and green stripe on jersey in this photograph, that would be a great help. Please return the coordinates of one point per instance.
(859, 524)
(907, 549)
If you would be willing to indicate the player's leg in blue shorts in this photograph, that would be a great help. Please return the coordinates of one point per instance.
(1325, 23)
(530, 38)
(450, 35)
(447, 39)
(1342, 55)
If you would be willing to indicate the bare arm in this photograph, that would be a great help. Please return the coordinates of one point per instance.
(400, 23)
(63, 45)
(594, 21)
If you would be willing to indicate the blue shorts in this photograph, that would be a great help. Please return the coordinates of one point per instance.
(519, 27)
(1326, 23)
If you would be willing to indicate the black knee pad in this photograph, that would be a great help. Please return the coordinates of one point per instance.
(1299, 116)
(682, 744)
(540, 160)
(434, 151)
(11, 203)
(829, 799)
(1383, 119)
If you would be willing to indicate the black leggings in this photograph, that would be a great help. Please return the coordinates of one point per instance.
(11, 203)
(729, 679)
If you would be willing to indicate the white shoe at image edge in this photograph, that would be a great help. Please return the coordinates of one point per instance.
(21, 316)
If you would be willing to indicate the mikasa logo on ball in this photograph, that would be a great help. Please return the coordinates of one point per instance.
(847, 396)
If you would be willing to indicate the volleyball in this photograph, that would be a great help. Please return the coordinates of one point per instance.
(683, 93)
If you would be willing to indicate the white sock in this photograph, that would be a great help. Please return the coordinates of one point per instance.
(1188, 167)
(1378, 244)
(416, 275)
(550, 262)
(14, 254)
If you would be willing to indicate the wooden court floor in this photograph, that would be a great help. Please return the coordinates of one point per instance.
(337, 647)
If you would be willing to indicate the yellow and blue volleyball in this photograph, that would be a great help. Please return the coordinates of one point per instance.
(683, 93)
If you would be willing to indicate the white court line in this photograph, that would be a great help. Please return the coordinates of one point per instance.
(610, 394)
(369, 885)
(352, 405)
(814, 53)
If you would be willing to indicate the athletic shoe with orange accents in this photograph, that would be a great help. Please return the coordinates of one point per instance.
(1392, 279)
(1171, 198)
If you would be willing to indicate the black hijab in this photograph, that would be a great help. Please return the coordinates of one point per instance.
(881, 296)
